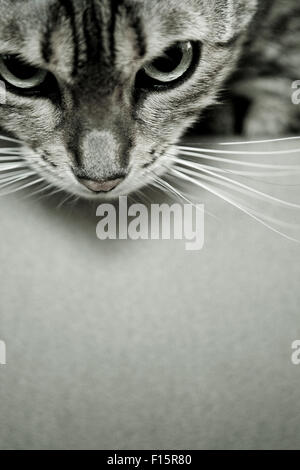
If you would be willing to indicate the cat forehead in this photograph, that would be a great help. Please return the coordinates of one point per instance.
(66, 34)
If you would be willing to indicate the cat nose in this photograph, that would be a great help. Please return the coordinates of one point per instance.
(101, 186)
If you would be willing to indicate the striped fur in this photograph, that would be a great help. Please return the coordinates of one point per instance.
(96, 125)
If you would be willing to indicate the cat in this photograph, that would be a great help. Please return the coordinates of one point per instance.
(100, 91)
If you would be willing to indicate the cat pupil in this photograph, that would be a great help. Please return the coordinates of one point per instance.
(169, 61)
(18, 68)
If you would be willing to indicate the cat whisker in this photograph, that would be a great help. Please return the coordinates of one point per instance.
(38, 191)
(132, 199)
(10, 139)
(143, 196)
(20, 157)
(52, 193)
(10, 150)
(11, 161)
(11, 158)
(224, 197)
(4, 167)
(12, 180)
(264, 216)
(19, 188)
(64, 200)
(274, 173)
(75, 200)
(167, 187)
(239, 152)
(239, 162)
(254, 211)
(11, 175)
(265, 141)
(236, 185)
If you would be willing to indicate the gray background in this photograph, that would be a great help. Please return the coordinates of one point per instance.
(141, 344)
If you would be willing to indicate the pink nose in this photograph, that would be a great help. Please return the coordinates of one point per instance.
(101, 186)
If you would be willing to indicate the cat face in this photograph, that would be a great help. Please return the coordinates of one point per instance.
(100, 91)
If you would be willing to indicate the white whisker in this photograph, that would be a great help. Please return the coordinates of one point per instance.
(11, 160)
(168, 187)
(241, 163)
(10, 150)
(52, 193)
(266, 141)
(275, 173)
(9, 176)
(4, 167)
(239, 152)
(38, 191)
(69, 196)
(233, 203)
(143, 196)
(19, 188)
(10, 139)
(11, 181)
(264, 216)
(236, 184)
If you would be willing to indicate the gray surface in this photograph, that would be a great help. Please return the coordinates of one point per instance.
(142, 344)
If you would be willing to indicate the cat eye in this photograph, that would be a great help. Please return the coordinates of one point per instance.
(173, 67)
(173, 64)
(19, 74)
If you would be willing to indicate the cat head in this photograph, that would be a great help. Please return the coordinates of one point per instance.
(100, 91)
